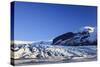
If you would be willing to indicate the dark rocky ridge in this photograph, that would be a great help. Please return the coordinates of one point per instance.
(74, 39)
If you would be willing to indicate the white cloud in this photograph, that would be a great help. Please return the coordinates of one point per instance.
(89, 29)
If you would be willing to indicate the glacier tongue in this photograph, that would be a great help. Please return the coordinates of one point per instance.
(47, 51)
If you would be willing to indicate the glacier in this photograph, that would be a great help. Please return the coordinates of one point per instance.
(44, 52)
(68, 47)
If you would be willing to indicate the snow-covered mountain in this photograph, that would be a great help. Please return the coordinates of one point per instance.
(42, 42)
(68, 46)
(85, 37)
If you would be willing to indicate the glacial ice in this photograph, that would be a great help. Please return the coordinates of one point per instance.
(47, 51)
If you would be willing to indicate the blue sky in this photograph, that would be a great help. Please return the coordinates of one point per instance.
(37, 21)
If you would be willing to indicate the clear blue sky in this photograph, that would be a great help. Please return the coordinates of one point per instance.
(37, 21)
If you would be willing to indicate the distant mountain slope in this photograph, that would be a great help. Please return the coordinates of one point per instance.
(84, 37)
